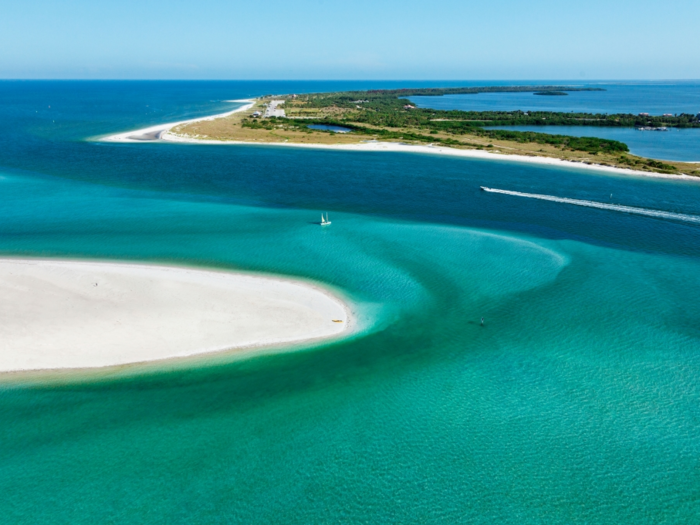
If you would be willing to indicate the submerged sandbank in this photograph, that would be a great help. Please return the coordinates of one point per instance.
(77, 314)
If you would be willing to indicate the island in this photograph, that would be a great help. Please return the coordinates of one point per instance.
(366, 118)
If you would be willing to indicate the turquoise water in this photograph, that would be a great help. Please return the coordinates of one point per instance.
(576, 402)
(674, 144)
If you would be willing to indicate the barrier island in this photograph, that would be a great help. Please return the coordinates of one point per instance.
(389, 116)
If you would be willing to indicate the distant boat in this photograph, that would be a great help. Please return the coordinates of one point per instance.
(324, 220)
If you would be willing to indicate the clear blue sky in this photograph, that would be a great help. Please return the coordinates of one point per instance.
(352, 39)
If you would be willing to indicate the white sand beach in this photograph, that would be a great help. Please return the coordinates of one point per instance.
(156, 132)
(59, 314)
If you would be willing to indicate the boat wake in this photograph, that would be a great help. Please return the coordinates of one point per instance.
(601, 205)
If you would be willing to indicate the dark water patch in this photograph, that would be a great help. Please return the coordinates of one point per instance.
(334, 129)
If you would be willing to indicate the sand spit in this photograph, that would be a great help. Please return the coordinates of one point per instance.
(77, 314)
(156, 132)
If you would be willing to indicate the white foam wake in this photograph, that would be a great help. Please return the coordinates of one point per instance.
(601, 205)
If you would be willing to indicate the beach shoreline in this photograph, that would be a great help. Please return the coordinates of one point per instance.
(163, 133)
(62, 315)
(153, 133)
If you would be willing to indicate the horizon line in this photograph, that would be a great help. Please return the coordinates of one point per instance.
(339, 80)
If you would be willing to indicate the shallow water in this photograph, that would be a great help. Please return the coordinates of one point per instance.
(577, 401)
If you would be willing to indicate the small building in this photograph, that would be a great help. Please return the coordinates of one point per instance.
(668, 114)
(256, 114)
(409, 106)
(644, 114)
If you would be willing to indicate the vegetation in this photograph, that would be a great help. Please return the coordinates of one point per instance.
(662, 167)
(589, 144)
(384, 108)
(551, 118)
(386, 115)
(257, 123)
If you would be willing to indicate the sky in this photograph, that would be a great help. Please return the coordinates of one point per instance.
(350, 39)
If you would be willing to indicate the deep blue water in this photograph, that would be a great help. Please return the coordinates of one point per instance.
(576, 402)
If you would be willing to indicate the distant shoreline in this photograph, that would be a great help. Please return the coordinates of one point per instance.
(153, 133)
(434, 150)
(162, 133)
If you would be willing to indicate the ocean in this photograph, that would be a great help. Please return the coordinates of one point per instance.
(576, 402)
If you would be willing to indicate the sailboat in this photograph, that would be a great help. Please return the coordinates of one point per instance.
(324, 220)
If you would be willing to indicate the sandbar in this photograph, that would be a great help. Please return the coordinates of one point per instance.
(156, 132)
(60, 314)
